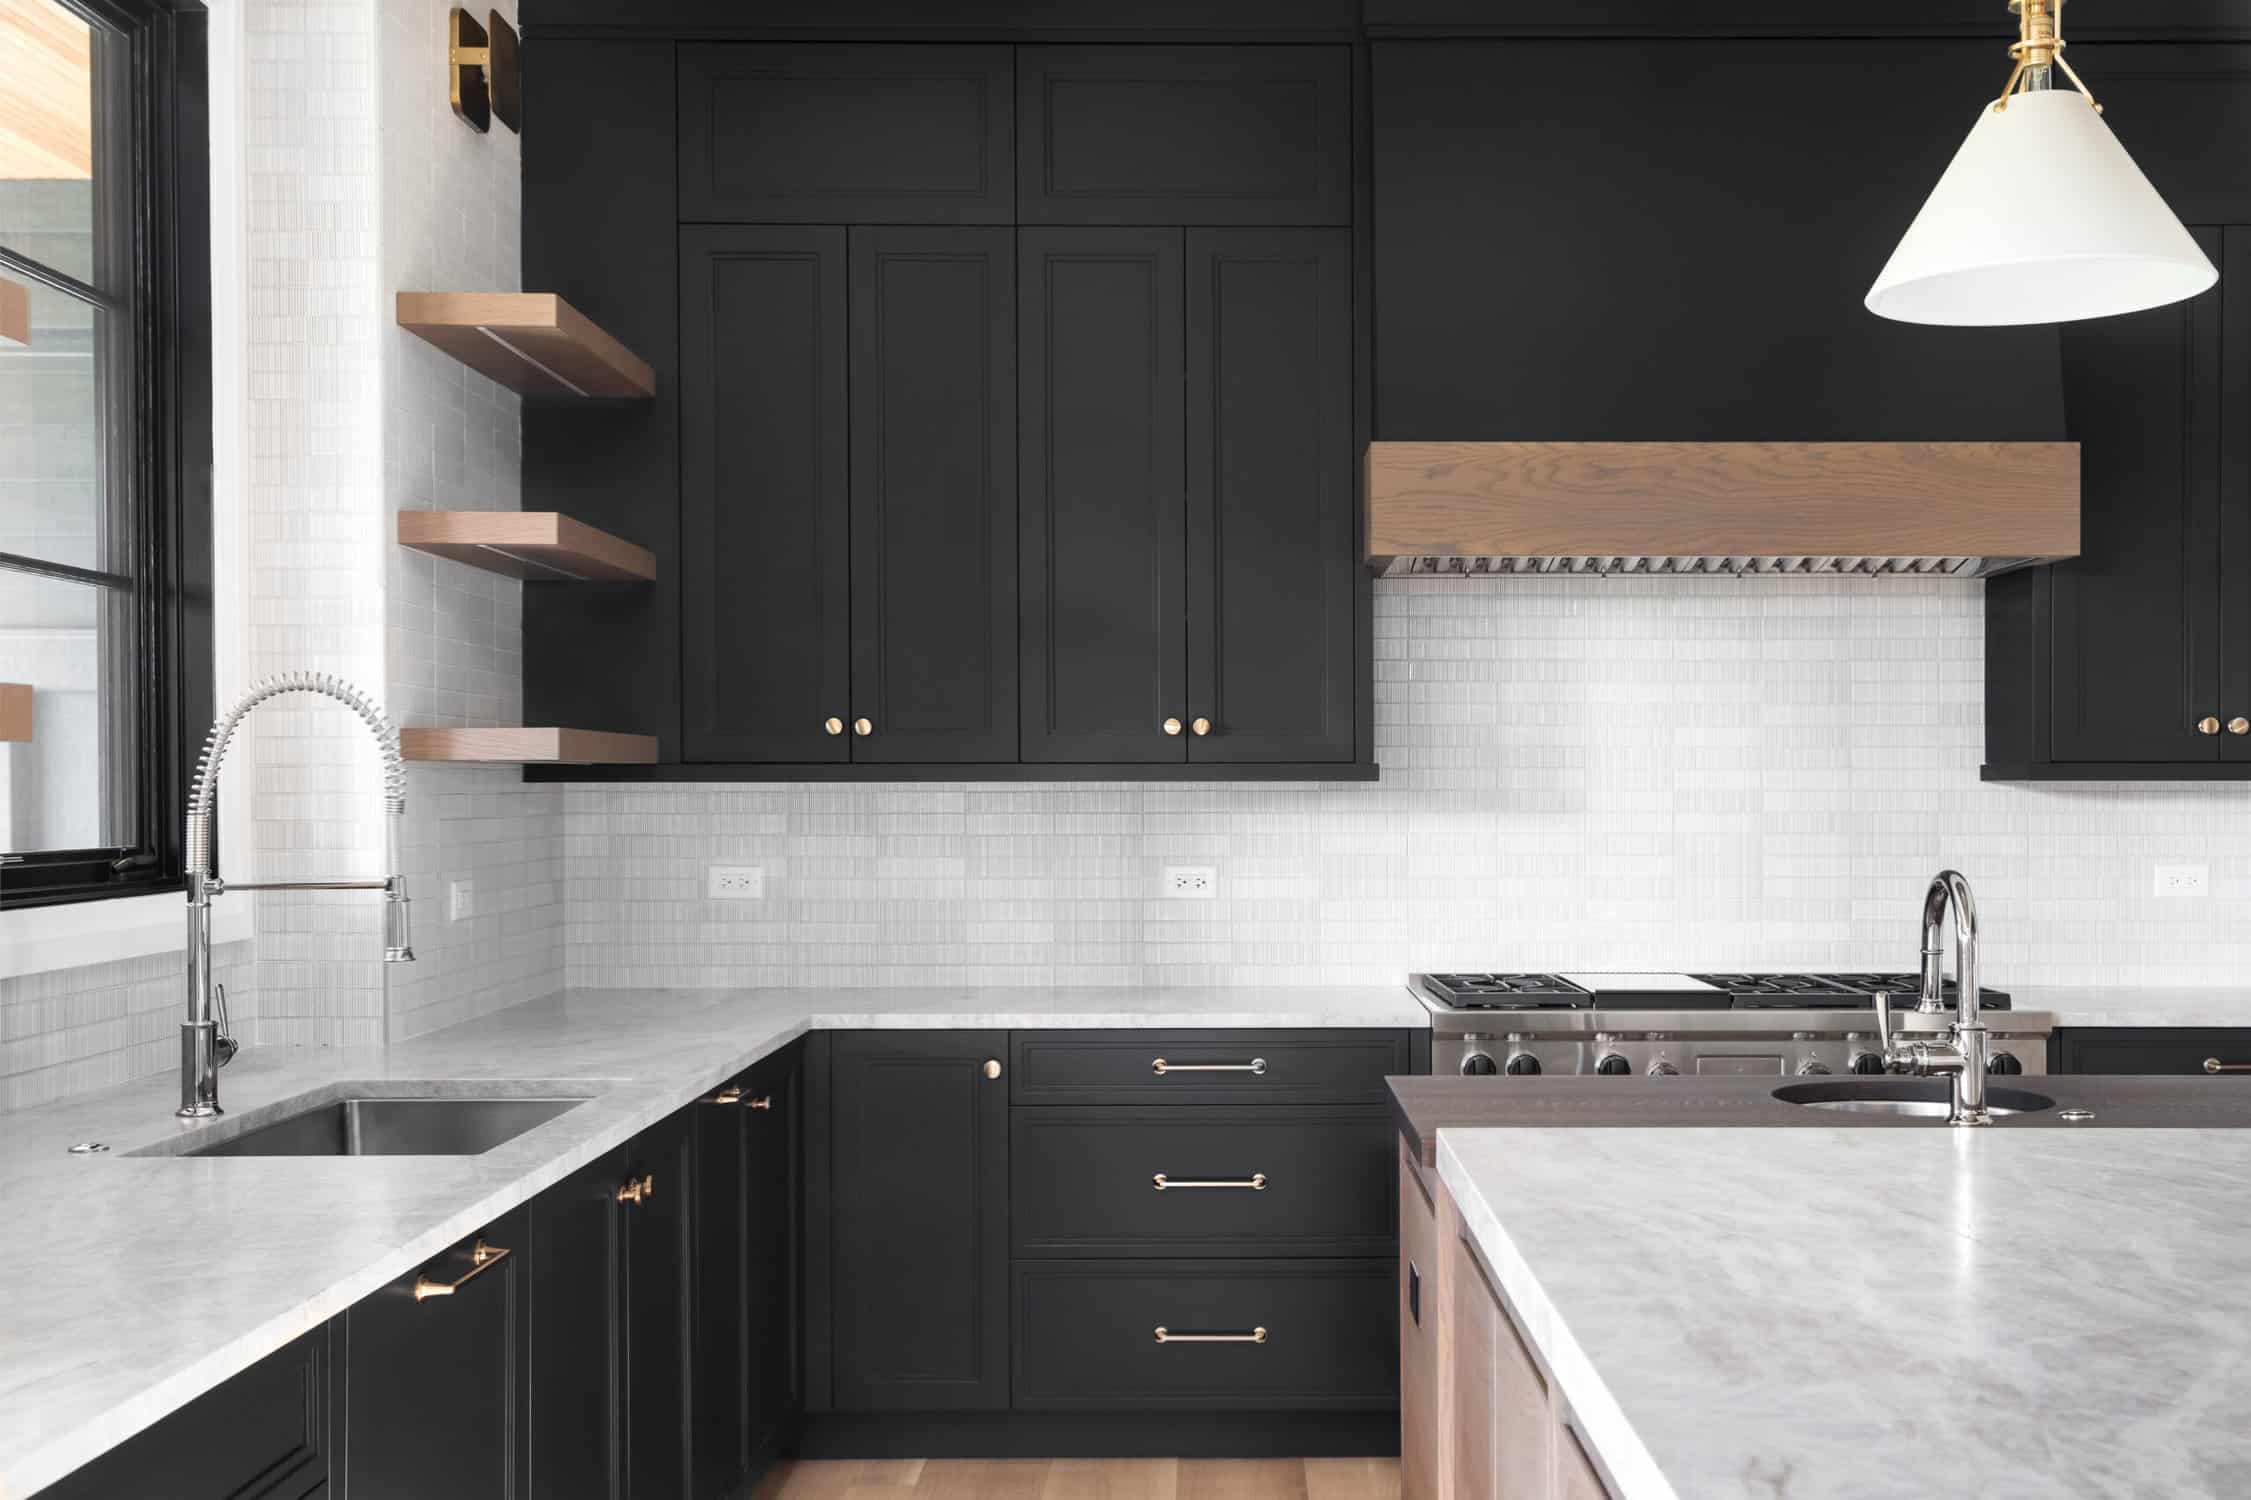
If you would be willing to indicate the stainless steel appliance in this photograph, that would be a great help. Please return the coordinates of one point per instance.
(1688, 1025)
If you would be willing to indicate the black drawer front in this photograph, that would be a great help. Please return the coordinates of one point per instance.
(2179, 1050)
(1206, 1067)
(1086, 1335)
(1283, 1181)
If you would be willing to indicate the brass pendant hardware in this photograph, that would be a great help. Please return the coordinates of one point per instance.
(2039, 46)
(2214, 1065)
(2208, 725)
(484, 71)
(481, 1259)
(833, 726)
(1256, 1182)
(992, 1067)
(638, 1189)
(1172, 726)
(1167, 1336)
(1160, 1067)
(863, 728)
(1201, 726)
(2239, 725)
(728, 1096)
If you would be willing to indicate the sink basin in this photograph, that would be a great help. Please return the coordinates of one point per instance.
(390, 1127)
(1925, 1097)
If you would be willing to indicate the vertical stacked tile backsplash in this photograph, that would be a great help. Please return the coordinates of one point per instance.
(1576, 773)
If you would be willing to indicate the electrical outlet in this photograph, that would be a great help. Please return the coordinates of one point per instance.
(2183, 880)
(735, 882)
(461, 900)
(1190, 882)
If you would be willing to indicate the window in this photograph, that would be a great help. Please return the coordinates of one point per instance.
(105, 442)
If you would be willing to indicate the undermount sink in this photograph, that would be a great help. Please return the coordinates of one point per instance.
(368, 1126)
(1929, 1098)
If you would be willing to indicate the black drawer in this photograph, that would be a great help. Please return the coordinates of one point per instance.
(1086, 1335)
(2155, 1049)
(1293, 1181)
(1206, 1067)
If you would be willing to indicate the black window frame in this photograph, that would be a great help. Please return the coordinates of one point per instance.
(164, 76)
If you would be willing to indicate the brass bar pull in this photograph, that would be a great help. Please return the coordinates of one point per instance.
(763, 1101)
(728, 1096)
(481, 1259)
(638, 1189)
(1160, 1067)
(2214, 1065)
(1256, 1182)
(1255, 1336)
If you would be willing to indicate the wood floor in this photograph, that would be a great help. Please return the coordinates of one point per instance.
(1086, 1479)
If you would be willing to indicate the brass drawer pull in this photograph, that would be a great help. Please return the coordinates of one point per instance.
(481, 1259)
(2214, 1065)
(1256, 1182)
(1255, 1336)
(733, 1095)
(638, 1189)
(763, 1101)
(1160, 1067)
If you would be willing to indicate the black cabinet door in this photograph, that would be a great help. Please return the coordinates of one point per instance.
(577, 1335)
(773, 1233)
(763, 506)
(918, 1141)
(2136, 615)
(2188, 1051)
(2235, 496)
(1102, 505)
(933, 494)
(846, 134)
(1271, 521)
(1184, 135)
(433, 1388)
(261, 1436)
(656, 1267)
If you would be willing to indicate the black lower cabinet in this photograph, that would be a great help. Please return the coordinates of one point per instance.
(261, 1436)
(432, 1376)
(2217, 1051)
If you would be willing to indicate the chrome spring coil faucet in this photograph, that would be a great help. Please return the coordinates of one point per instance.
(1964, 1053)
(203, 1047)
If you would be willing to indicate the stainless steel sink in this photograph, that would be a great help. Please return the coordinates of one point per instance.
(390, 1127)
(1923, 1097)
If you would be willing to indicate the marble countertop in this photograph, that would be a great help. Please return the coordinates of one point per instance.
(137, 1282)
(1831, 1314)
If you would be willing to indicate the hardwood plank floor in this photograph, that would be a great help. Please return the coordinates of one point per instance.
(1086, 1479)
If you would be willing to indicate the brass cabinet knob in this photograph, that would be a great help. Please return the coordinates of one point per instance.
(863, 728)
(1201, 726)
(834, 726)
(2207, 725)
(2239, 725)
(992, 1067)
(1172, 726)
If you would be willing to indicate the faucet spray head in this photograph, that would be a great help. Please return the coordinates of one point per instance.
(398, 943)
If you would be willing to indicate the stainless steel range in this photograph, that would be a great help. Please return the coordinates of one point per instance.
(1686, 1025)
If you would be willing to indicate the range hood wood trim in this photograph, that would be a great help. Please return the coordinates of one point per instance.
(2018, 500)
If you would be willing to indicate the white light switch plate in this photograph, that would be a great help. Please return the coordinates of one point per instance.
(2182, 880)
(735, 882)
(1190, 883)
(461, 900)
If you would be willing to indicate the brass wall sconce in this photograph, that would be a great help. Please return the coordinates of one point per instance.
(484, 71)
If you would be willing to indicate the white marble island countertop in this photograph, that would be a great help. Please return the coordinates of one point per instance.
(1835, 1314)
(137, 1282)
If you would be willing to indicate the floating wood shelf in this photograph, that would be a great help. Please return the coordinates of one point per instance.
(531, 342)
(15, 314)
(533, 544)
(544, 747)
(15, 712)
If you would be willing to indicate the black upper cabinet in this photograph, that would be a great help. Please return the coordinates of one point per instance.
(918, 1205)
(1102, 502)
(933, 494)
(846, 134)
(2234, 707)
(1184, 135)
(1662, 240)
(764, 505)
(1271, 514)
(2179, 111)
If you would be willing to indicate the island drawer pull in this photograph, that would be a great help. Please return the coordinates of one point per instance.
(2214, 1065)
(1160, 1067)
(1256, 1182)
(734, 1095)
(636, 1189)
(1167, 1336)
(481, 1259)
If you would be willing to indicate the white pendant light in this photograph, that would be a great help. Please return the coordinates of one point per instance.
(2041, 217)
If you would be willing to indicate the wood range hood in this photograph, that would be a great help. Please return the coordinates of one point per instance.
(1959, 510)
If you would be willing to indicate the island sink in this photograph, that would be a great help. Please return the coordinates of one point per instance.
(365, 1126)
(1903, 1096)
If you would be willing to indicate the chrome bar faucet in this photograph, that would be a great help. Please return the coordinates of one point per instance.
(1964, 1052)
(204, 1049)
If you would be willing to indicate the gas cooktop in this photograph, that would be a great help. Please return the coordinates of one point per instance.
(1681, 992)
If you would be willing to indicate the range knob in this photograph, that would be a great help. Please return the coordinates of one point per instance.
(1813, 1067)
(1523, 1063)
(1478, 1065)
(1663, 1069)
(2003, 1062)
(1867, 1063)
(1614, 1066)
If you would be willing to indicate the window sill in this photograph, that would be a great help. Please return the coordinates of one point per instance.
(38, 939)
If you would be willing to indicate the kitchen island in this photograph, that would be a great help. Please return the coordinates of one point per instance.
(1829, 1313)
